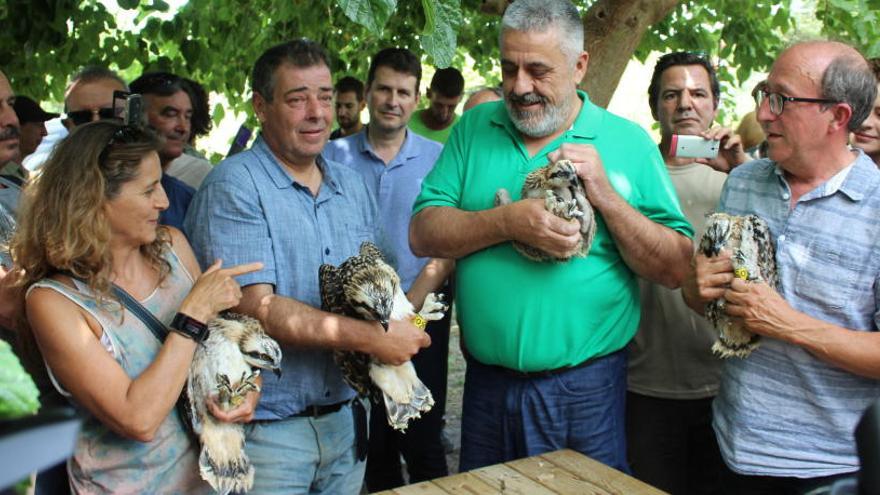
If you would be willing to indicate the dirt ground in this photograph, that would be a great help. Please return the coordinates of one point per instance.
(455, 387)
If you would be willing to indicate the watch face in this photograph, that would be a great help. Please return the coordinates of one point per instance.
(190, 327)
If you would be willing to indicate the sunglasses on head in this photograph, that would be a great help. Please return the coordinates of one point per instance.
(81, 117)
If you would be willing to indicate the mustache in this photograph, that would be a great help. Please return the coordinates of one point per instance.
(9, 133)
(526, 98)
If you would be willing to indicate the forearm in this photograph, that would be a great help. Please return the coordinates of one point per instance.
(853, 351)
(653, 251)
(294, 323)
(152, 395)
(446, 232)
(430, 279)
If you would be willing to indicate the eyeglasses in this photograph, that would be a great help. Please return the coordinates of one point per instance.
(81, 117)
(125, 134)
(777, 101)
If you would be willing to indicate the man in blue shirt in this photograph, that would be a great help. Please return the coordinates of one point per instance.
(785, 415)
(281, 203)
(394, 161)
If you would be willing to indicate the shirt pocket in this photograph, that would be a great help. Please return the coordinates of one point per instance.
(828, 275)
(356, 234)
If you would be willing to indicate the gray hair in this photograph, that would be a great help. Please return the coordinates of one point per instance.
(90, 74)
(849, 79)
(542, 15)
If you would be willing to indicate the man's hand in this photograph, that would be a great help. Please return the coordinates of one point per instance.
(529, 222)
(707, 279)
(761, 309)
(590, 169)
(731, 153)
(244, 413)
(400, 343)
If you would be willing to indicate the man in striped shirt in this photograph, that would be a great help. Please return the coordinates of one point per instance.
(784, 416)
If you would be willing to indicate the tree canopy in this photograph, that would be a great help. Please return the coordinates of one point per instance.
(217, 41)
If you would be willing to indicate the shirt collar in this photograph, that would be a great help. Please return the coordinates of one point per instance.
(408, 149)
(855, 180)
(586, 125)
(282, 178)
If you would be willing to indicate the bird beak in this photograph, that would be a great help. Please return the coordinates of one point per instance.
(277, 372)
(384, 324)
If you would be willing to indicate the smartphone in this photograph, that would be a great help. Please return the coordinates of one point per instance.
(685, 146)
(128, 108)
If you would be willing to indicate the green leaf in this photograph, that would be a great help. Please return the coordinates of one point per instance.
(430, 17)
(372, 14)
(440, 43)
(128, 4)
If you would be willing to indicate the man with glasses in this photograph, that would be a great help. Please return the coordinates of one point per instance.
(88, 97)
(673, 375)
(784, 416)
(545, 341)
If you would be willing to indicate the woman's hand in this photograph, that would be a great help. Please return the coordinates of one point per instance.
(215, 290)
(244, 413)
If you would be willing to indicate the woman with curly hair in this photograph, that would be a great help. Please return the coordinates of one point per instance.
(89, 222)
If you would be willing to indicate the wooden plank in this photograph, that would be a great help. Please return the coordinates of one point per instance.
(508, 481)
(599, 474)
(465, 483)
(423, 488)
(556, 478)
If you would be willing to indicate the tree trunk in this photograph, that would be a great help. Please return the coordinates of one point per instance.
(613, 30)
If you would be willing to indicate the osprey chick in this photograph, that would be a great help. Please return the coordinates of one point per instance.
(224, 366)
(367, 288)
(753, 258)
(564, 196)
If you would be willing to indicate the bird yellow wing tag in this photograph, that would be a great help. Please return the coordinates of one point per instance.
(741, 273)
(420, 322)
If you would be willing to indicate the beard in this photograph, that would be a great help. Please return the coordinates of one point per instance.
(539, 123)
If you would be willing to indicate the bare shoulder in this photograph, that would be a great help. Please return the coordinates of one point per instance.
(184, 251)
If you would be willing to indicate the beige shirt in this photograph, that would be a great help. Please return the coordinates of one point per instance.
(189, 169)
(670, 356)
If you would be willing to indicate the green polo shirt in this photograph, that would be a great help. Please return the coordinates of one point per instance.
(418, 126)
(532, 316)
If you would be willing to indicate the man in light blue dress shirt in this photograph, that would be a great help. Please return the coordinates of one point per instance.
(394, 160)
(282, 204)
(785, 415)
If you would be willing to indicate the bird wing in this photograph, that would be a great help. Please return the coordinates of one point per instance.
(331, 289)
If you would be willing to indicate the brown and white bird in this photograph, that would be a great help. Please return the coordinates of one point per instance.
(366, 287)
(753, 258)
(227, 365)
(564, 196)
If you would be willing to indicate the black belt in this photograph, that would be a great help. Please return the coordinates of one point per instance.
(315, 411)
(539, 374)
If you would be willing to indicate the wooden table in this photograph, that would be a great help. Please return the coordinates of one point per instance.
(561, 472)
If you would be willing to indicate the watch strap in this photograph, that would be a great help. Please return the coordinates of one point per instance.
(189, 327)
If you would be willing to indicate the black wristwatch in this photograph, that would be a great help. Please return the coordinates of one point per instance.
(190, 328)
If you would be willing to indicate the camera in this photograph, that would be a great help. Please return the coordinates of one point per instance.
(684, 146)
(129, 108)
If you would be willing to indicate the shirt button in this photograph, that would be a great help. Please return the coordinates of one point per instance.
(781, 238)
(785, 195)
(326, 250)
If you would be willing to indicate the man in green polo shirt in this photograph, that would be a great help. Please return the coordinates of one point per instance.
(444, 94)
(544, 341)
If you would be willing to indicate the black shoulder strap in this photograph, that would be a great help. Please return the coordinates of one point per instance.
(160, 331)
(14, 179)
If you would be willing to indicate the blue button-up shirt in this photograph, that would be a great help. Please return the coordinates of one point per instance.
(395, 188)
(782, 411)
(250, 208)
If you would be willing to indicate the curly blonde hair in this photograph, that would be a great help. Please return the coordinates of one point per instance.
(62, 224)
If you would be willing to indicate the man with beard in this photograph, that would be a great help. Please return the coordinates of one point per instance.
(435, 122)
(545, 341)
(394, 160)
(10, 187)
(349, 96)
(169, 112)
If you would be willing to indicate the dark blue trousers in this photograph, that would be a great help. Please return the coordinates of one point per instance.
(507, 417)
